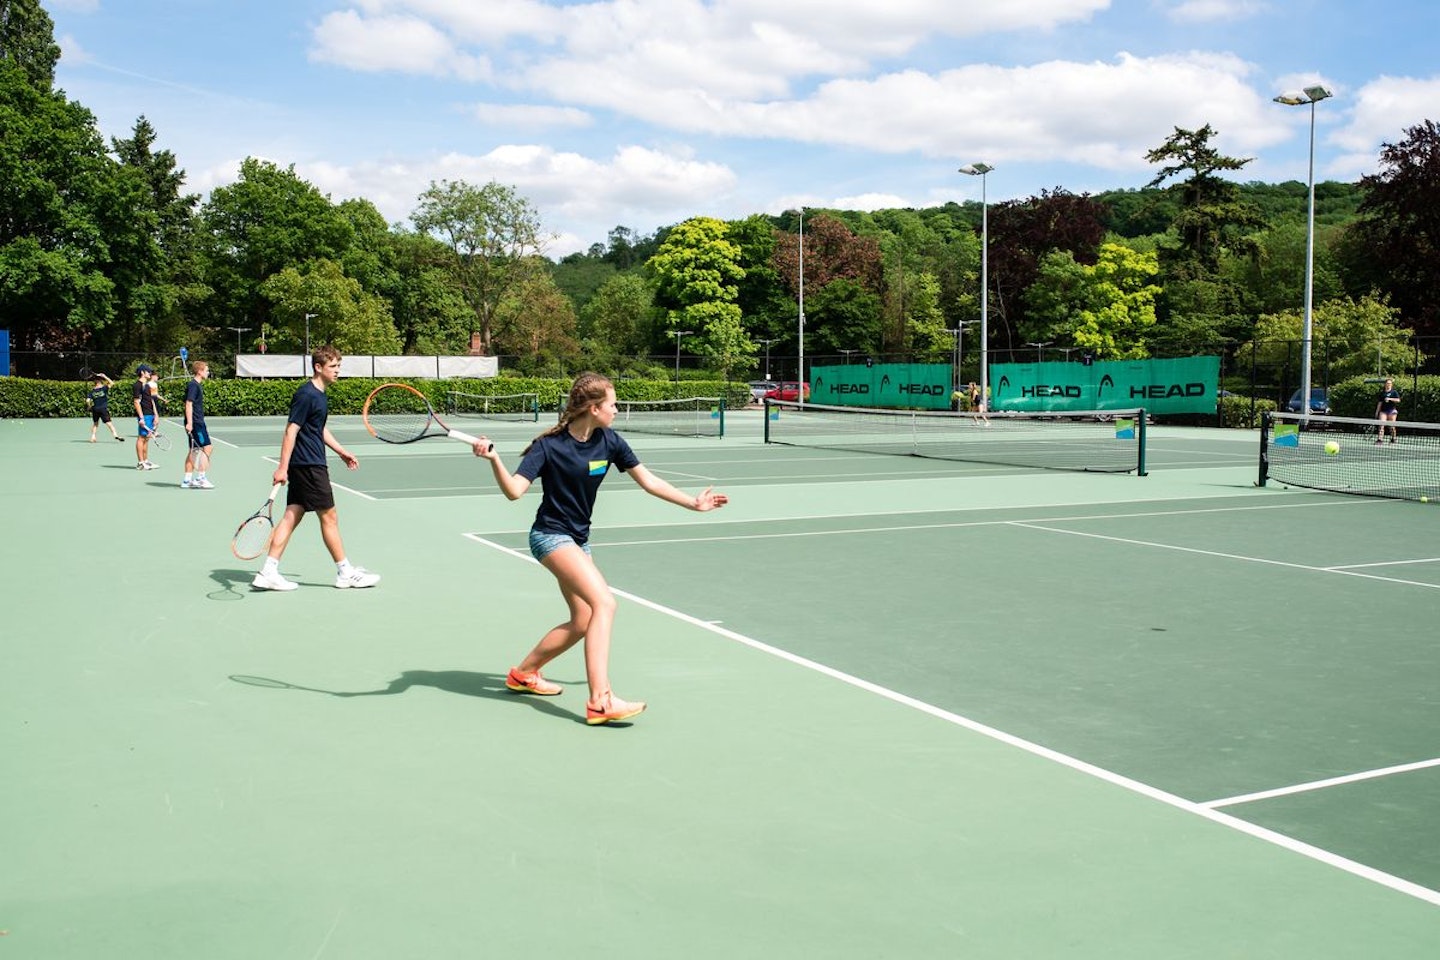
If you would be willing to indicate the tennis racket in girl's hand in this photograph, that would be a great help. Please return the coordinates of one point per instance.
(398, 413)
(253, 536)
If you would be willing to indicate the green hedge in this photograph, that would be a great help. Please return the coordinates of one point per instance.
(1235, 411)
(1356, 398)
(21, 398)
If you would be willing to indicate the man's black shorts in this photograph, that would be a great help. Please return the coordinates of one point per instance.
(309, 489)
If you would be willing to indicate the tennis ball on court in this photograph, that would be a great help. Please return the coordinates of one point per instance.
(1331, 447)
(1424, 499)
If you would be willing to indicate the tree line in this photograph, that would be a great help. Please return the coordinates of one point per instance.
(102, 249)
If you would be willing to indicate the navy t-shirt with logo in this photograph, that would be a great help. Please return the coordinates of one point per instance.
(570, 472)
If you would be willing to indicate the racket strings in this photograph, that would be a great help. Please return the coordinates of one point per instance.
(397, 414)
(252, 538)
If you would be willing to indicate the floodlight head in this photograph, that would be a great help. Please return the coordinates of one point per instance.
(976, 169)
(1290, 100)
(1317, 92)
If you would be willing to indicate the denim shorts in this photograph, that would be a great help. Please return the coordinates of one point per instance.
(543, 543)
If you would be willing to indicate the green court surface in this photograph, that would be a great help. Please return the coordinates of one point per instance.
(898, 708)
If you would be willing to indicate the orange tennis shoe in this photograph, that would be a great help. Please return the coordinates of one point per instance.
(531, 683)
(611, 709)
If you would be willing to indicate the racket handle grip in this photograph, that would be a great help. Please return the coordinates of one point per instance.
(466, 438)
(275, 491)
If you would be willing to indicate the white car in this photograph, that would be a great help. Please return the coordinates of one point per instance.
(758, 389)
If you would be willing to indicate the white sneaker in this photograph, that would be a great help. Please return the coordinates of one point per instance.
(185, 484)
(147, 465)
(202, 483)
(357, 577)
(272, 581)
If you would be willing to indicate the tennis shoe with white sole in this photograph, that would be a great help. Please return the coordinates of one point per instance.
(531, 683)
(186, 484)
(272, 581)
(202, 483)
(611, 709)
(356, 577)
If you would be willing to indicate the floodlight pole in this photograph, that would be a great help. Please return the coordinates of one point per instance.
(767, 355)
(677, 334)
(980, 170)
(307, 335)
(1312, 96)
(238, 331)
(1039, 348)
(800, 374)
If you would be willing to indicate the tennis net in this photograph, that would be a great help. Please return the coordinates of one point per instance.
(1110, 441)
(1347, 455)
(508, 406)
(686, 417)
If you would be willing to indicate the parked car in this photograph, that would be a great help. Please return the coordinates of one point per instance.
(788, 390)
(1319, 401)
(759, 388)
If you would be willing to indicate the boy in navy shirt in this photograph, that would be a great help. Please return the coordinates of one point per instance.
(303, 467)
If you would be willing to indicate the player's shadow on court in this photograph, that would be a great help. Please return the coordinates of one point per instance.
(466, 683)
(232, 583)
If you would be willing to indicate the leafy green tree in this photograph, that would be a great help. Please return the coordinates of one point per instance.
(931, 340)
(342, 312)
(27, 42)
(535, 323)
(1351, 338)
(697, 273)
(429, 307)
(1398, 236)
(619, 318)
(843, 315)
(1107, 309)
(55, 183)
(1022, 233)
(269, 219)
(1212, 212)
(492, 233)
(153, 247)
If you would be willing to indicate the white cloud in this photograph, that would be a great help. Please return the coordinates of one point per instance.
(1381, 112)
(1212, 11)
(71, 52)
(1103, 114)
(400, 44)
(634, 185)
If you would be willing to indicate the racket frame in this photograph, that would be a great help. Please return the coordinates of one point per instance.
(266, 513)
(433, 417)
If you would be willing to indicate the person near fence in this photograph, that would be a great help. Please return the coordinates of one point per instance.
(1387, 409)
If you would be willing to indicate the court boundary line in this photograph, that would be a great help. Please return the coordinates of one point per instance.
(955, 525)
(1340, 571)
(1323, 784)
(1327, 857)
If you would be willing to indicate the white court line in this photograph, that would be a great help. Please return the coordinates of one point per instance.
(1322, 784)
(1224, 556)
(1100, 773)
(337, 486)
(944, 526)
(1383, 563)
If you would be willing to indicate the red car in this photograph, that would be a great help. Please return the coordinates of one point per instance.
(788, 390)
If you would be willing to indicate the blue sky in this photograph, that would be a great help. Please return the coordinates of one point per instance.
(644, 112)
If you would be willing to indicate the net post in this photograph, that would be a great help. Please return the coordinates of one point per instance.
(722, 417)
(1266, 420)
(1142, 418)
(765, 418)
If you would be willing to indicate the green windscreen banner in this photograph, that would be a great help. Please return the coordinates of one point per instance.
(919, 385)
(1181, 385)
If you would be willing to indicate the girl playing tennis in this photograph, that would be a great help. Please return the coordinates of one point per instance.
(572, 458)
